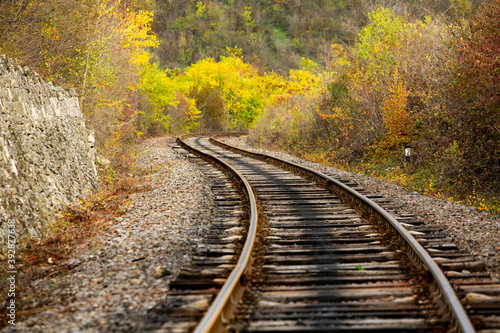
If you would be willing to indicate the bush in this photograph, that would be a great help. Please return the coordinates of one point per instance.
(474, 110)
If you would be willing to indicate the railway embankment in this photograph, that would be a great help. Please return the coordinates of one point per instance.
(116, 285)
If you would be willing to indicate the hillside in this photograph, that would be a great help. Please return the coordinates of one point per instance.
(350, 83)
(272, 35)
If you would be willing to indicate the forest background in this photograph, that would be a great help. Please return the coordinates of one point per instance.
(350, 83)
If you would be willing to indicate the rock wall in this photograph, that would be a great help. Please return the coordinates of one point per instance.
(46, 153)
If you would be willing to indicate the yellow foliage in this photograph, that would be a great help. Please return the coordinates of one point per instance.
(138, 37)
(397, 118)
(340, 58)
(244, 92)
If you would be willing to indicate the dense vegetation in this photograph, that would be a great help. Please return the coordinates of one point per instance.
(347, 82)
(97, 47)
(430, 84)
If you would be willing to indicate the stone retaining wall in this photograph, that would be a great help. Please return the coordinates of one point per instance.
(46, 153)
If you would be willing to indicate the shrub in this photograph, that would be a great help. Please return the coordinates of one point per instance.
(474, 111)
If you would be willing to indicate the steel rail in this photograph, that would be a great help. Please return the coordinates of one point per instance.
(231, 292)
(457, 315)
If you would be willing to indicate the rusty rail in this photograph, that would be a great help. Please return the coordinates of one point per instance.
(221, 309)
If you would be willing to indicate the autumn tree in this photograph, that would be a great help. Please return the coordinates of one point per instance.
(475, 109)
(45, 35)
(97, 47)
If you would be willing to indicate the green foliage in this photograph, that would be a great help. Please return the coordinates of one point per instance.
(275, 35)
(272, 35)
(381, 42)
(359, 267)
(110, 175)
(155, 84)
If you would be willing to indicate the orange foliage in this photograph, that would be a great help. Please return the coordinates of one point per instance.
(397, 119)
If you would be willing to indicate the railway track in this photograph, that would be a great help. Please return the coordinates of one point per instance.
(293, 250)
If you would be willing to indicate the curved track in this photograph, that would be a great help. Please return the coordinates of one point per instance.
(321, 256)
